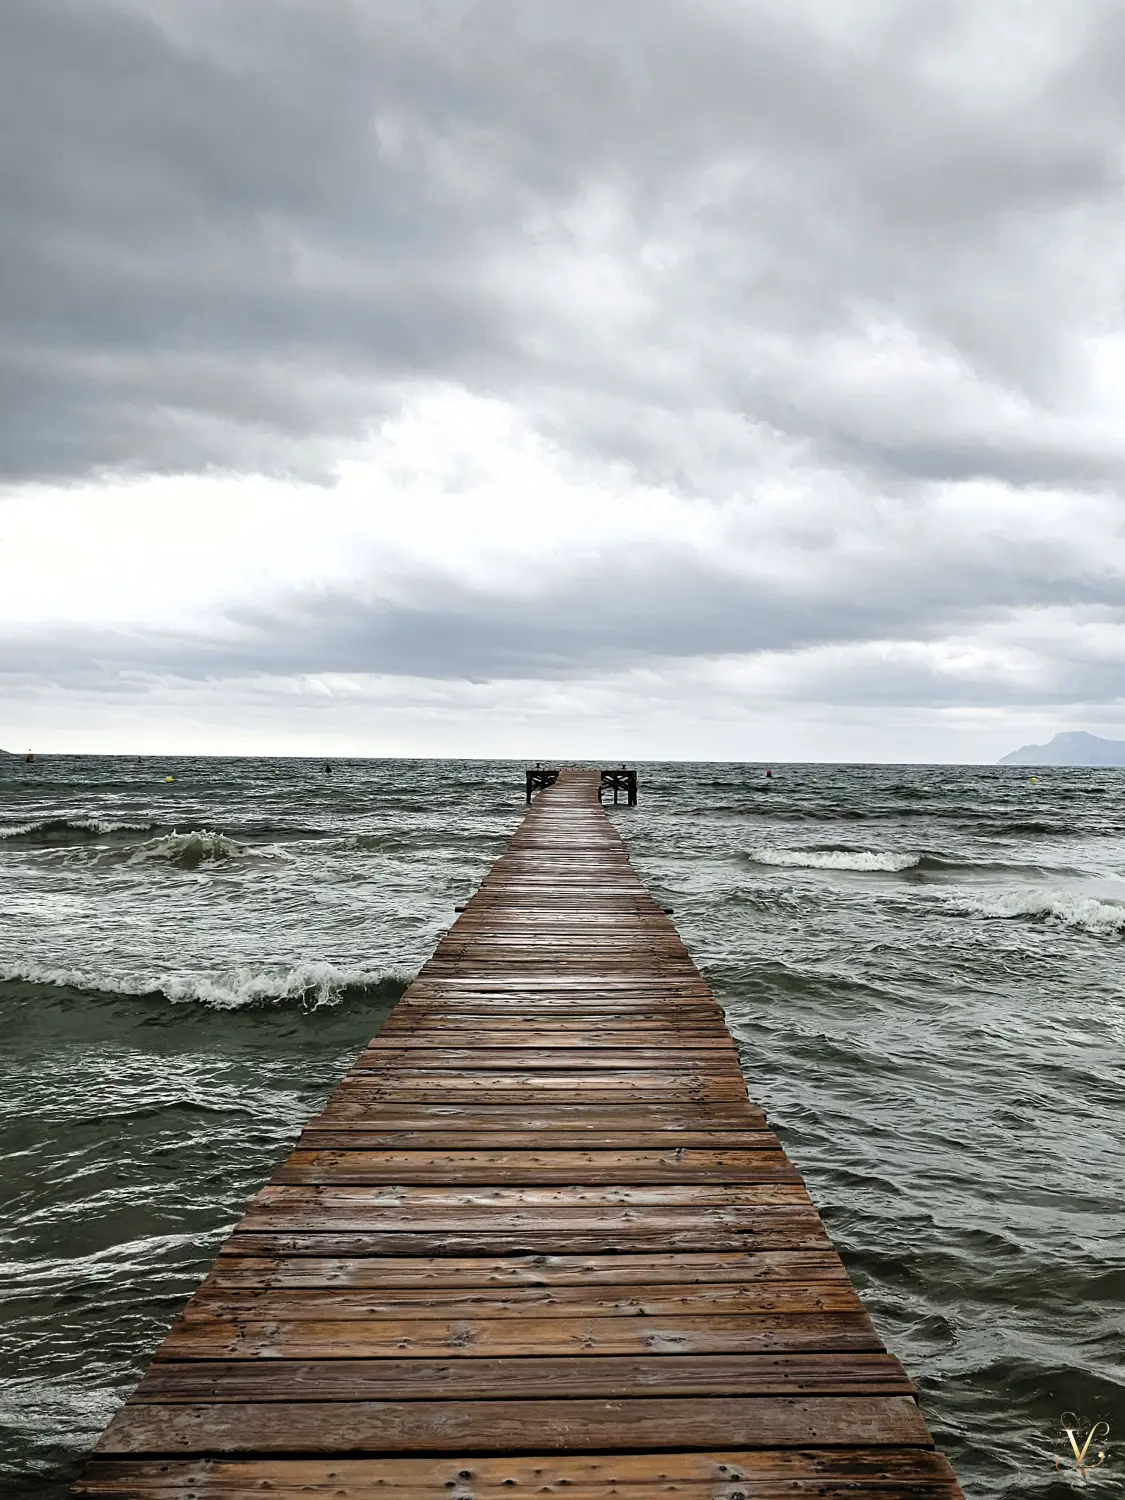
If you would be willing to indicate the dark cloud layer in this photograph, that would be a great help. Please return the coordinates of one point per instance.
(231, 230)
(708, 247)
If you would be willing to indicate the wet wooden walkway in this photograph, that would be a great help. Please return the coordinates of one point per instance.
(538, 1243)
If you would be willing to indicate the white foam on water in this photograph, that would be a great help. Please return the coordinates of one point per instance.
(836, 859)
(314, 983)
(189, 849)
(109, 825)
(78, 825)
(1065, 908)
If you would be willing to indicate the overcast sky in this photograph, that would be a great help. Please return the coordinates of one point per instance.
(652, 378)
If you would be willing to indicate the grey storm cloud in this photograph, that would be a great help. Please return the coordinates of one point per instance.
(659, 610)
(232, 231)
(709, 244)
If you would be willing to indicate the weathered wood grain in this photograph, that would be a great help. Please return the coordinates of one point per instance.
(621, 1166)
(347, 1135)
(469, 1338)
(516, 1379)
(499, 1426)
(720, 1474)
(794, 1230)
(531, 1270)
(315, 1305)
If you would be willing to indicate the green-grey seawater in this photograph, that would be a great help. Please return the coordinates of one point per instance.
(923, 968)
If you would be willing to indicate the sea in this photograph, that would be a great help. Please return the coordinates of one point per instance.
(924, 967)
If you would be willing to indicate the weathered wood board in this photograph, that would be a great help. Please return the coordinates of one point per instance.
(539, 1241)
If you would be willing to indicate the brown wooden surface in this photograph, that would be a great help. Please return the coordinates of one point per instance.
(538, 1241)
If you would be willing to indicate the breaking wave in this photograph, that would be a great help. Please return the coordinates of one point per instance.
(894, 862)
(64, 832)
(1062, 908)
(59, 832)
(310, 985)
(836, 859)
(187, 851)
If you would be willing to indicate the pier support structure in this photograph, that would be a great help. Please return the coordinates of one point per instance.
(619, 779)
(538, 779)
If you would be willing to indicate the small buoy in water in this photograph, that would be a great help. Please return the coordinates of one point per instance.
(169, 778)
(1033, 778)
(327, 769)
(29, 756)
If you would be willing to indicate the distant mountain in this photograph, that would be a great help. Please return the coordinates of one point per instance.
(1074, 748)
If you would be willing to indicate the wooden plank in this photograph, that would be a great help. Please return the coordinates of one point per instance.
(605, 1227)
(888, 1473)
(375, 1488)
(354, 1166)
(530, 1270)
(538, 1223)
(402, 1200)
(470, 1338)
(351, 1102)
(584, 1034)
(357, 1135)
(616, 1008)
(330, 1210)
(204, 1381)
(578, 998)
(790, 1230)
(499, 1426)
(665, 1300)
(389, 1060)
(527, 1088)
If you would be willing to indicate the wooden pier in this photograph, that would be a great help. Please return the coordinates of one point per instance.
(539, 1242)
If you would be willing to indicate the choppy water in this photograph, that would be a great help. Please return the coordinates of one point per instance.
(924, 967)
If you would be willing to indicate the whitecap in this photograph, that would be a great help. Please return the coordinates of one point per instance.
(1065, 908)
(314, 983)
(189, 850)
(836, 859)
(69, 829)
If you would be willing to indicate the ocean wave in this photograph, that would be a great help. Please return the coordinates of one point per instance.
(791, 812)
(1018, 826)
(58, 832)
(187, 851)
(1063, 908)
(386, 843)
(836, 859)
(310, 985)
(896, 861)
(790, 809)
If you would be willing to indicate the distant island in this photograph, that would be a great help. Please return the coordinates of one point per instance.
(1073, 748)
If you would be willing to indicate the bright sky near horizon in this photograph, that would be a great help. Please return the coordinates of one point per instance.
(666, 379)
